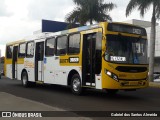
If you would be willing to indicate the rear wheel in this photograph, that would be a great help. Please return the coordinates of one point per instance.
(24, 79)
(76, 85)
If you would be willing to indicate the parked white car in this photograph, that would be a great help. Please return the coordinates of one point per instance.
(157, 77)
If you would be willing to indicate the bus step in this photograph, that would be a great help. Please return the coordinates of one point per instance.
(39, 82)
(91, 84)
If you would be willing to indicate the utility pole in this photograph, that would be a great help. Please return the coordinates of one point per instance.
(152, 46)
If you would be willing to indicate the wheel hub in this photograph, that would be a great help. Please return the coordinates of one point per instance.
(76, 84)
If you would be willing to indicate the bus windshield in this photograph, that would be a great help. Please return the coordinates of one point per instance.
(126, 50)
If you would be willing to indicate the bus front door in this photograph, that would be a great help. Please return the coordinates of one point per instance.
(88, 62)
(14, 62)
(92, 59)
(39, 64)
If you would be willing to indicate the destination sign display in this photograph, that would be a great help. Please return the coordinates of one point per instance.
(126, 29)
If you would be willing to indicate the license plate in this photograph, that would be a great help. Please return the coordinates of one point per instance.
(132, 83)
(135, 83)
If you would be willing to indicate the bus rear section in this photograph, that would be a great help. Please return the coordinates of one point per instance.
(11, 61)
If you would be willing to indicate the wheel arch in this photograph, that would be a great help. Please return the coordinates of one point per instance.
(71, 73)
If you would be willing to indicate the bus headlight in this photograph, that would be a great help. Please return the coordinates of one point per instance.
(112, 75)
(109, 73)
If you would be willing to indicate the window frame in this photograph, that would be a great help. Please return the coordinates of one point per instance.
(66, 49)
(7, 52)
(54, 46)
(79, 44)
(19, 50)
(30, 56)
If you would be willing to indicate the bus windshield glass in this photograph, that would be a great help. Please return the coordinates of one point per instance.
(126, 50)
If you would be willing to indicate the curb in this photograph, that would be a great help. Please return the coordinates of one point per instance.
(154, 84)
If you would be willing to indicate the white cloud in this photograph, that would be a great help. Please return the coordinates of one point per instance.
(15, 30)
(2, 48)
(50, 9)
(3, 10)
(119, 14)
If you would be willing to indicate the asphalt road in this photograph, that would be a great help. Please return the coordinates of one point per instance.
(141, 100)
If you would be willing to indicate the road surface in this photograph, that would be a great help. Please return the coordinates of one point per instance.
(61, 97)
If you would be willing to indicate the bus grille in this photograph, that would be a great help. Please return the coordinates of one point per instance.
(131, 69)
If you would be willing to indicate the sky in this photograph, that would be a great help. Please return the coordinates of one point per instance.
(20, 18)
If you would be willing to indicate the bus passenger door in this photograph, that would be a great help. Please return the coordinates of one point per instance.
(14, 62)
(39, 64)
(91, 59)
(88, 63)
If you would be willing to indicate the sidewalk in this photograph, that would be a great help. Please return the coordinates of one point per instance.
(10, 102)
(154, 84)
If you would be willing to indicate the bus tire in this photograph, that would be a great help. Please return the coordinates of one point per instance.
(76, 85)
(24, 79)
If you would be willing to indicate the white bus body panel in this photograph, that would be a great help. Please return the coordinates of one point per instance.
(20, 67)
(56, 74)
(29, 66)
(98, 79)
(9, 70)
(50, 66)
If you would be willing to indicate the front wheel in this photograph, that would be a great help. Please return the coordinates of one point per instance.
(76, 85)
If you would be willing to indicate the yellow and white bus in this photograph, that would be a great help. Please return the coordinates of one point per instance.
(110, 56)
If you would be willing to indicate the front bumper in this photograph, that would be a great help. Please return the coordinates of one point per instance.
(109, 83)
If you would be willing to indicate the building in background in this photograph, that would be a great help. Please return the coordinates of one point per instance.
(1, 58)
(147, 26)
(54, 26)
(144, 24)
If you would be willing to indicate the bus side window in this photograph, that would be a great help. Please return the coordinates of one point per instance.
(21, 52)
(49, 49)
(74, 44)
(30, 49)
(9, 51)
(61, 45)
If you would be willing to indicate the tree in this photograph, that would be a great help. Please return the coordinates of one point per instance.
(143, 6)
(89, 11)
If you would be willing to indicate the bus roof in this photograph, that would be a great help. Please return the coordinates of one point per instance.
(15, 42)
(45, 35)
